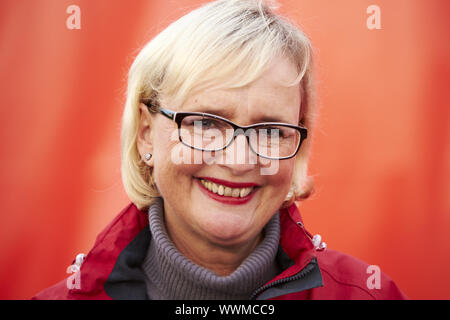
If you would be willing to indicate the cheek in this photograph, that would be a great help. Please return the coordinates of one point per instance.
(174, 164)
(280, 182)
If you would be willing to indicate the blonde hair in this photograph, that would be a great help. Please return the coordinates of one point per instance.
(227, 44)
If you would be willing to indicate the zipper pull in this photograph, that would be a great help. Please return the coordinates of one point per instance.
(316, 240)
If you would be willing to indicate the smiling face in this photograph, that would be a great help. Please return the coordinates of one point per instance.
(193, 200)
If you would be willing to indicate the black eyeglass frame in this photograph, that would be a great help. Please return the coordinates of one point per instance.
(178, 117)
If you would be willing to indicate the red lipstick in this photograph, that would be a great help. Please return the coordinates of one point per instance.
(225, 199)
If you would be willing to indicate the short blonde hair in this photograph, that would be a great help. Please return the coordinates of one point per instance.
(227, 44)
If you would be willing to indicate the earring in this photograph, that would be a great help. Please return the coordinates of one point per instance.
(148, 156)
(290, 194)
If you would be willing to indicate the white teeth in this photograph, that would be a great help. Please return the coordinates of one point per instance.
(221, 190)
(245, 192)
(226, 191)
(236, 192)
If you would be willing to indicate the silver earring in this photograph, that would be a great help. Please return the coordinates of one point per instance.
(148, 156)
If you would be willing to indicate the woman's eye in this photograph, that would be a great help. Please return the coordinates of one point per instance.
(210, 124)
(276, 133)
(272, 132)
(203, 123)
(207, 123)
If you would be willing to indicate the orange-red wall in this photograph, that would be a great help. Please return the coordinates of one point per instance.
(381, 154)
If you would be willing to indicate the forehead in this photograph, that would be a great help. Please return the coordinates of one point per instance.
(268, 98)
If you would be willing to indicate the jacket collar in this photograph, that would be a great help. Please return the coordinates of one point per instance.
(109, 245)
(301, 270)
(113, 267)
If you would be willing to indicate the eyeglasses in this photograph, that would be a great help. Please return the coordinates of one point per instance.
(209, 132)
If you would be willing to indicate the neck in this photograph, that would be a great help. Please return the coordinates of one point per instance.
(222, 260)
(170, 274)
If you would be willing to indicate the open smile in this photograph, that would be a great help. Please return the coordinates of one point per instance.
(226, 191)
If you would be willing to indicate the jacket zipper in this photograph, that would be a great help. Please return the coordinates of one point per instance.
(294, 277)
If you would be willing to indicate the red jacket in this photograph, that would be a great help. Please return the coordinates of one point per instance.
(111, 270)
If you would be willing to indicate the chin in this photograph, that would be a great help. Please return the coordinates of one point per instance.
(227, 229)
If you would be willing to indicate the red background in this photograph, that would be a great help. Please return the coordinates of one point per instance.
(381, 154)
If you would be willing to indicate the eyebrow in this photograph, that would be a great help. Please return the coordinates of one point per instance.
(228, 114)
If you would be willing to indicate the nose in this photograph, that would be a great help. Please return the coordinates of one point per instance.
(238, 157)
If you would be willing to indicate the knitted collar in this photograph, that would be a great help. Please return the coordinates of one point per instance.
(170, 275)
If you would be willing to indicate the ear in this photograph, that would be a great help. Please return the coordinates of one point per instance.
(144, 134)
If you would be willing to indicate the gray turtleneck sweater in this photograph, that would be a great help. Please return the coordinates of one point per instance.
(170, 275)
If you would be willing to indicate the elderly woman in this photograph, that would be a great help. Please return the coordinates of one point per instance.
(216, 133)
